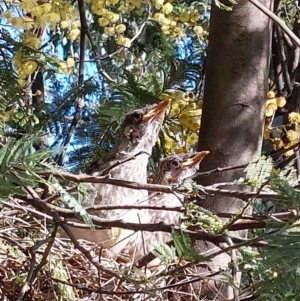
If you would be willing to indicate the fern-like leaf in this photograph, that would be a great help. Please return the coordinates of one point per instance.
(164, 253)
(184, 247)
(70, 201)
(258, 172)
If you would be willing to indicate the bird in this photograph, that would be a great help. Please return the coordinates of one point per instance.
(127, 160)
(171, 170)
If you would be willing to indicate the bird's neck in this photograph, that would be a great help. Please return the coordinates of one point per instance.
(133, 169)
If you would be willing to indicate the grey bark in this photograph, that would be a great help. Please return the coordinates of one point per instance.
(237, 71)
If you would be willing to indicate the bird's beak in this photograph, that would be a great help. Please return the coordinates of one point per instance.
(194, 160)
(158, 112)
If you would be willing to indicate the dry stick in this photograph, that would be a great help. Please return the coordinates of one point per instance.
(235, 270)
(244, 222)
(218, 169)
(56, 212)
(283, 60)
(277, 20)
(38, 203)
(31, 273)
(218, 252)
(46, 253)
(138, 207)
(144, 260)
(15, 243)
(163, 288)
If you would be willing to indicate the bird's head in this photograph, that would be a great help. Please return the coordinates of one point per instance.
(140, 128)
(176, 168)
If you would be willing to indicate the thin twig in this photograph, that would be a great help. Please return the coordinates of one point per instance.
(80, 98)
(38, 203)
(104, 172)
(97, 58)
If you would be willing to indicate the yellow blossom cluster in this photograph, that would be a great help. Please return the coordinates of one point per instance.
(183, 122)
(109, 17)
(273, 103)
(173, 17)
(26, 65)
(292, 138)
(31, 14)
(29, 39)
(67, 66)
(294, 117)
(175, 21)
(285, 136)
(40, 14)
(72, 27)
(23, 66)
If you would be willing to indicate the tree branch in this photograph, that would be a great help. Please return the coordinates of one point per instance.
(277, 20)
(57, 213)
(205, 190)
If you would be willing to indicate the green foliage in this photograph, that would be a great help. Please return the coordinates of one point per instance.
(259, 171)
(278, 271)
(179, 72)
(19, 165)
(290, 196)
(67, 199)
(184, 247)
(165, 253)
(276, 266)
(198, 216)
(225, 7)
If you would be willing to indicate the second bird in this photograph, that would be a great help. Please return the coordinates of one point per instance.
(172, 170)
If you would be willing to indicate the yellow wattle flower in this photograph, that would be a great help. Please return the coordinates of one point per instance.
(103, 21)
(281, 101)
(294, 117)
(271, 94)
(120, 28)
(167, 8)
(292, 136)
(184, 16)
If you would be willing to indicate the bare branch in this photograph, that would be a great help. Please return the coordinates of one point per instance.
(283, 60)
(57, 213)
(212, 189)
(277, 20)
(49, 209)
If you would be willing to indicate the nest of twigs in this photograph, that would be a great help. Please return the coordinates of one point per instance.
(35, 264)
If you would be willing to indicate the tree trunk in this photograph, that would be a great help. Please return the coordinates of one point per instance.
(232, 123)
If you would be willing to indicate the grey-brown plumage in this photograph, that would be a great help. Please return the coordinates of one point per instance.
(171, 170)
(138, 135)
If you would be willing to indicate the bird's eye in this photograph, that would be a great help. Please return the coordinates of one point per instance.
(175, 164)
(136, 117)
